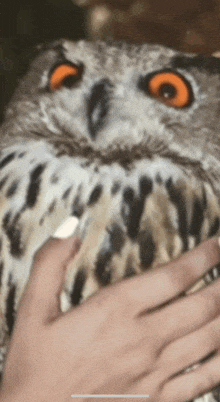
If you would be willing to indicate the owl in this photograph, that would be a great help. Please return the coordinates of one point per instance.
(123, 137)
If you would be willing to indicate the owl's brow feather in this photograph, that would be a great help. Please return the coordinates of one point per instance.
(209, 64)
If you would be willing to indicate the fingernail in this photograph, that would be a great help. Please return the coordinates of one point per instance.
(67, 228)
(219, 241)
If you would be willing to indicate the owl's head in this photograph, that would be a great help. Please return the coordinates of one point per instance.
(138, 99)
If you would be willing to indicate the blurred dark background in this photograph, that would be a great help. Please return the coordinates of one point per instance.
(26, 23)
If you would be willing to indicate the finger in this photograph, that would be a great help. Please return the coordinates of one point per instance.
(162, 284)
(41, 297)
(190, 349)
(193, 384)
(186, 314)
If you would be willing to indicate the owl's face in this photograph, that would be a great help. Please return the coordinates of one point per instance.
(123, 96)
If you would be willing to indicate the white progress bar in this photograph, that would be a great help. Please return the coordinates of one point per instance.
(109, 396)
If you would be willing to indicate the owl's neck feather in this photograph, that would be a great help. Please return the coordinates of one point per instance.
(207, 170)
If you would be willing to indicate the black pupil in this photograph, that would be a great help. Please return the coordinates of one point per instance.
(167, 91)
(70, 81)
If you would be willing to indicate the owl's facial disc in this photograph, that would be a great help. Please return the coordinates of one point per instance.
(122, 96)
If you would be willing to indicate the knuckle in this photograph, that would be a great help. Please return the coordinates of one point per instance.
(211, 300)
(204, 305)
(203, 384)
(212, 333)
(210, 381)
(118, 294)
(107, 300)
(176, 277)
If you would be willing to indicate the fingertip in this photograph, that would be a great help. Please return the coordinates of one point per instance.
(41, 297)
(71, 242)
(57, 250)
(212, 245)
(66, 242)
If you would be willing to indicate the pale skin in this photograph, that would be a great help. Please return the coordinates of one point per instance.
(116, 342)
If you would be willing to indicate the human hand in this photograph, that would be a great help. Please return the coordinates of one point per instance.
(117, 342)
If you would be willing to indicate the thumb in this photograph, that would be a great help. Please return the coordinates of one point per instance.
(41, 300)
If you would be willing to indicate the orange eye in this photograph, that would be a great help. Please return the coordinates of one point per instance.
(170, 88)
(65, 75)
